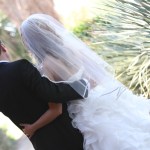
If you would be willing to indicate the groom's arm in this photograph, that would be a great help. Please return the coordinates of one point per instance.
(44, 88)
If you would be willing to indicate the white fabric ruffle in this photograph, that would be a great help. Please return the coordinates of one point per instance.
(112, 120)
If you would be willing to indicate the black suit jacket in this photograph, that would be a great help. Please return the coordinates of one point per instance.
(24, 94)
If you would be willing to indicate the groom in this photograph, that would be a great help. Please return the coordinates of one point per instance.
(25, 94)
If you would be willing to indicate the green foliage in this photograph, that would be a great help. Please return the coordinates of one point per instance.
(82, 30)
(6, 143)
(11, 38)
(120, 34)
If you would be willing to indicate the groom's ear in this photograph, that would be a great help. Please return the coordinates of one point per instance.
(2, 47)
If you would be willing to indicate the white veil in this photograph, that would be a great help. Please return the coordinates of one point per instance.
(62, 54)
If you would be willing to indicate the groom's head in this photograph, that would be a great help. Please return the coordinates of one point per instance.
(3, 52)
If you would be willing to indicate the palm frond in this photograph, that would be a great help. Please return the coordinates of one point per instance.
(122, 32)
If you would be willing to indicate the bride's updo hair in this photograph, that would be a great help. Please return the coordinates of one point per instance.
(40, 37)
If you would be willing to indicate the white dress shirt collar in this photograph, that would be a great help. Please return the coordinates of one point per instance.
(4, 61)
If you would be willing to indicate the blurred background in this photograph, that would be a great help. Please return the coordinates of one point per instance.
(117, 30)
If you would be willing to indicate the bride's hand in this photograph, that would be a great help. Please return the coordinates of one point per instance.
(28, 129)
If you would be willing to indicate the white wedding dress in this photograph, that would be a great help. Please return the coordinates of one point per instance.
(112, 119)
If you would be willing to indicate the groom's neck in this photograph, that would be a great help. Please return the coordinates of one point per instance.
(4, 57)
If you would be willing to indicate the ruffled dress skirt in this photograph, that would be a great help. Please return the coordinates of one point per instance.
(112, 119)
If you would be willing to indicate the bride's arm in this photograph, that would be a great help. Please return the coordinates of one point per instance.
(52, 113)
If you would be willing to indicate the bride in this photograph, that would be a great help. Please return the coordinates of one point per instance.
(112, 117)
